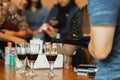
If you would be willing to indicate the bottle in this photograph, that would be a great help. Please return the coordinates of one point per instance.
(7, 52)
(59, 45)
(12, 56)
(83, 41)
(54, 48)
(58, 36)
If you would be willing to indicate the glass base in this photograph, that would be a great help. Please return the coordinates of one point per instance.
(20, 71)
(31, 73)
(50, 74)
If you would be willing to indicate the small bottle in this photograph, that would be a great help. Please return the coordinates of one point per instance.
(58, 36)
(54, 48)
(12, 56)
(59, 45)
(7, 52)
(47, 47)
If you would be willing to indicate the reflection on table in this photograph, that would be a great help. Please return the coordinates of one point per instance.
(9, 73)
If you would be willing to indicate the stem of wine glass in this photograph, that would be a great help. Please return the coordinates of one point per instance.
(23, 64)
(51, 67)
(32, 64)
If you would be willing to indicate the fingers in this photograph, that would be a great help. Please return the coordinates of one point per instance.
(46, 26)
(17, 39)
(52, 34)
(50, 27)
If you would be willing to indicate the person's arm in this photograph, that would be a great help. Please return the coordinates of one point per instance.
(101, 41)
(5, 37)
(103, 20)
(52, 32)
(23, 34)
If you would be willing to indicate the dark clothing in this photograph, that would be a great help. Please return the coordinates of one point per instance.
(75, 31)
(9, 26)
(64, 18)
(54, 12)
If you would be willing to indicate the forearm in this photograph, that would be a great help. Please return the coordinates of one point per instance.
(101, 41)
(5, 37)
(20, 34)
(23, 34)
(36, 32)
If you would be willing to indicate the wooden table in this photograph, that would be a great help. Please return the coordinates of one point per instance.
(8, 73)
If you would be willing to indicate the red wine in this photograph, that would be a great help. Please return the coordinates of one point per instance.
(32, 57)
(21, 56)
(51, 57)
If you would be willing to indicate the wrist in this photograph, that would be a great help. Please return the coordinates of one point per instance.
(40, 30)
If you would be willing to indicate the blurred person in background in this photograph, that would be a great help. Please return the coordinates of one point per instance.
(105, 37)
(13, 26)
(60, 17)
(79, 28)
(36, 15)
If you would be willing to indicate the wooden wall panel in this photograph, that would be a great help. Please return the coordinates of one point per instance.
(81, 3)
(50, 3)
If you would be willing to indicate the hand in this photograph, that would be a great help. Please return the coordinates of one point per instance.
(46, 26)
(52, 34)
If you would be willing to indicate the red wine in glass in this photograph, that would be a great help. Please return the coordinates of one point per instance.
(21, 56)
(51, 57)
(32, 57)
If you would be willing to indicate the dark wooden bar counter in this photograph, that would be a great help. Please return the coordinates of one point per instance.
(8, 73)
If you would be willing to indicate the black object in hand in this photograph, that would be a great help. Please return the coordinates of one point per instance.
(83, 41)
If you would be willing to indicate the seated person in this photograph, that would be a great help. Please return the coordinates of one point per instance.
(75, 32)
(60, 17)
(36, 15)
(13, 26)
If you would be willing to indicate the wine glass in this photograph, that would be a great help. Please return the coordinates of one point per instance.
(51, 55)
(21, 54)
(32, 54)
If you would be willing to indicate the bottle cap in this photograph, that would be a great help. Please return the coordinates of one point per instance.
(58, 36)
(9, 44)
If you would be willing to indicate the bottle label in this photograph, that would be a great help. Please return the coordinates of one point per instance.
(12, 56)
(12, 60)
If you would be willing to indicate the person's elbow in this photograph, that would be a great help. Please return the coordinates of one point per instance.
(101, 54)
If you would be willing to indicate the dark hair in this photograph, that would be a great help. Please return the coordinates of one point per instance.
(71, 3)
(39, 4)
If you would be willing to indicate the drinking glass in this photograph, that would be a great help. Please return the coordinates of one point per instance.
(32, 54)
(51, 55)
(21, 54)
